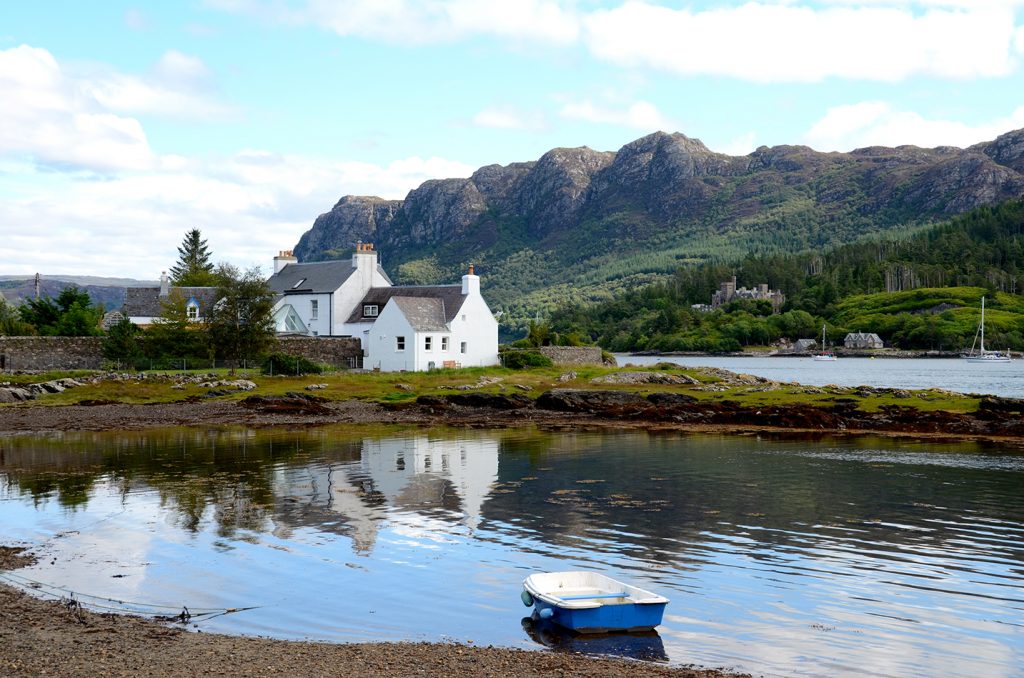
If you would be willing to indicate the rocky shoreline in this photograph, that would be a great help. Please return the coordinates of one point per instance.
(995, 419)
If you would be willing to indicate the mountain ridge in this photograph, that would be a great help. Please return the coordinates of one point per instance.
(581, 222)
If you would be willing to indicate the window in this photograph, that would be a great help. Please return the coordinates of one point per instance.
(370, 310)
(399, 343)
(428, 343)
(444, 343)
(463, 317)
(193, 311)
(314, 309)
(296, 285)
(462, 347)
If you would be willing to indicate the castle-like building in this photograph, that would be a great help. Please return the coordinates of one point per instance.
(728, 291)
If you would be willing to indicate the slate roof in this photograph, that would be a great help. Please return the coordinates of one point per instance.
(317, 277)
(145, 301)
(423, 313)
(450, 296)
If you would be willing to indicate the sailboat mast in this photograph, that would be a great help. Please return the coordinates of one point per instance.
(983, 325)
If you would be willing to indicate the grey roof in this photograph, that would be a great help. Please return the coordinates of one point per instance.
(145, 301)
(862, 336)
(423, 314)
(317, 277)
(450, 296)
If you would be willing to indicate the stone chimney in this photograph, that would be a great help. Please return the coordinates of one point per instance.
(165, 285)
(283, 258)
(471, 282)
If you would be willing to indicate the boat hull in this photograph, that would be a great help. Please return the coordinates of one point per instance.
(630, 617)
(589, 602)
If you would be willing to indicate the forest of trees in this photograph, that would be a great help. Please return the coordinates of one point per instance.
(982, 251)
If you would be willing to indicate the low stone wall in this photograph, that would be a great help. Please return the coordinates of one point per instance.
(572, 355)
(335, 351)
(50, 353)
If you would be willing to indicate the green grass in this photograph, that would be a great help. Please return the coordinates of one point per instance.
(393, 388)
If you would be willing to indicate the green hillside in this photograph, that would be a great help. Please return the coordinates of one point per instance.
(922, 292)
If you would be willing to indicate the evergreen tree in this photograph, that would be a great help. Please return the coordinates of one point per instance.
(11, 323)
(121, 345)
(194, 268)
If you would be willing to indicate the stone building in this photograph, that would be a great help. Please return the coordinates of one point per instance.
(728, 291)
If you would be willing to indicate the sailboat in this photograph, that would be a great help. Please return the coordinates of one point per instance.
(983, 356)
(824, 354)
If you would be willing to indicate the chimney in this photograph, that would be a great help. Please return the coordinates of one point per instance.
(283, 258)
(165, 284)
(365, 257)
(471, 282)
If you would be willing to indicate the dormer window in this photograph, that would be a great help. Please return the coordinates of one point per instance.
(192, 310)
(370, 310)
(296, 285)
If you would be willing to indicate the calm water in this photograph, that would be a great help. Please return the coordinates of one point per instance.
(1002, 379)
(831, 557)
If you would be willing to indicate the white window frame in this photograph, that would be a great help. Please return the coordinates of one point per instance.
(428, 343)
(192, 311)
(371, 310)
(314, 309)
(399, 343)
(444, 344)
(463, 347)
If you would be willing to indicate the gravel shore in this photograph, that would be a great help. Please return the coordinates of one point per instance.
(40, 638)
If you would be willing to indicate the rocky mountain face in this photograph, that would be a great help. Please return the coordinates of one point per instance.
(580, 221)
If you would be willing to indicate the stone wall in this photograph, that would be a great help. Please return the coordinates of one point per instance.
(335, 351)
(572, 355)
(50, 353)
(85, 353)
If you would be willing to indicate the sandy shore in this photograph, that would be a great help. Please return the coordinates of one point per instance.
(39, 638)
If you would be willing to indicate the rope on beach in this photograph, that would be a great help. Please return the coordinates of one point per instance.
(73, 601)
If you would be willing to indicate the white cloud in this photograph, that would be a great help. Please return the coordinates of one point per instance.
(509, 118)
(248, 206)
(791, 42)
(423, 21)
(1018, 40)
(741, 145)
(876, 123)
(641, 115)
(45, 117)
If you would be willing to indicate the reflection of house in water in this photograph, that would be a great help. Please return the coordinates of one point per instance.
(442, 478)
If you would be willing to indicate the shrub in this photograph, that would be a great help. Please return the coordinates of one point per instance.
(282, 363)
(518, 360)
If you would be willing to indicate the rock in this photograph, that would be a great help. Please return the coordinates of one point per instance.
(670, 399)
(11, 394)
(289, 403)
(644, 378)
(612, 403)
(522, 387)
(403, 387)
(568, 376)
(316, 387)
(495, 401)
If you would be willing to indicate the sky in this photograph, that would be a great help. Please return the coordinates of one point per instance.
(123, 125)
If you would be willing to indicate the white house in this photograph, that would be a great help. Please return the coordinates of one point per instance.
(316, 298)
(400, 327)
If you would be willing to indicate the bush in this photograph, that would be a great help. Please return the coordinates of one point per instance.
(282, 363)
(518, 360)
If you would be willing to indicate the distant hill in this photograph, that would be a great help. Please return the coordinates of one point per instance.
(580, 225)
(109, 292)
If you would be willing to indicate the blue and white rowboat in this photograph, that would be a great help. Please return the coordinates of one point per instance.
(588, 602)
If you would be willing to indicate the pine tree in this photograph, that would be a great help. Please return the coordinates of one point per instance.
(194, 268)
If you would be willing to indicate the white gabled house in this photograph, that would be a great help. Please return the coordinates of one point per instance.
(316, 298)
(410, 328)
(144, 305)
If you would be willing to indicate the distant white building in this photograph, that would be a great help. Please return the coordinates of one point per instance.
(410, 328)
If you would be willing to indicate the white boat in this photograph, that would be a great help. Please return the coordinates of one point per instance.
(983, 356)
(589, 602)
(824, 355)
